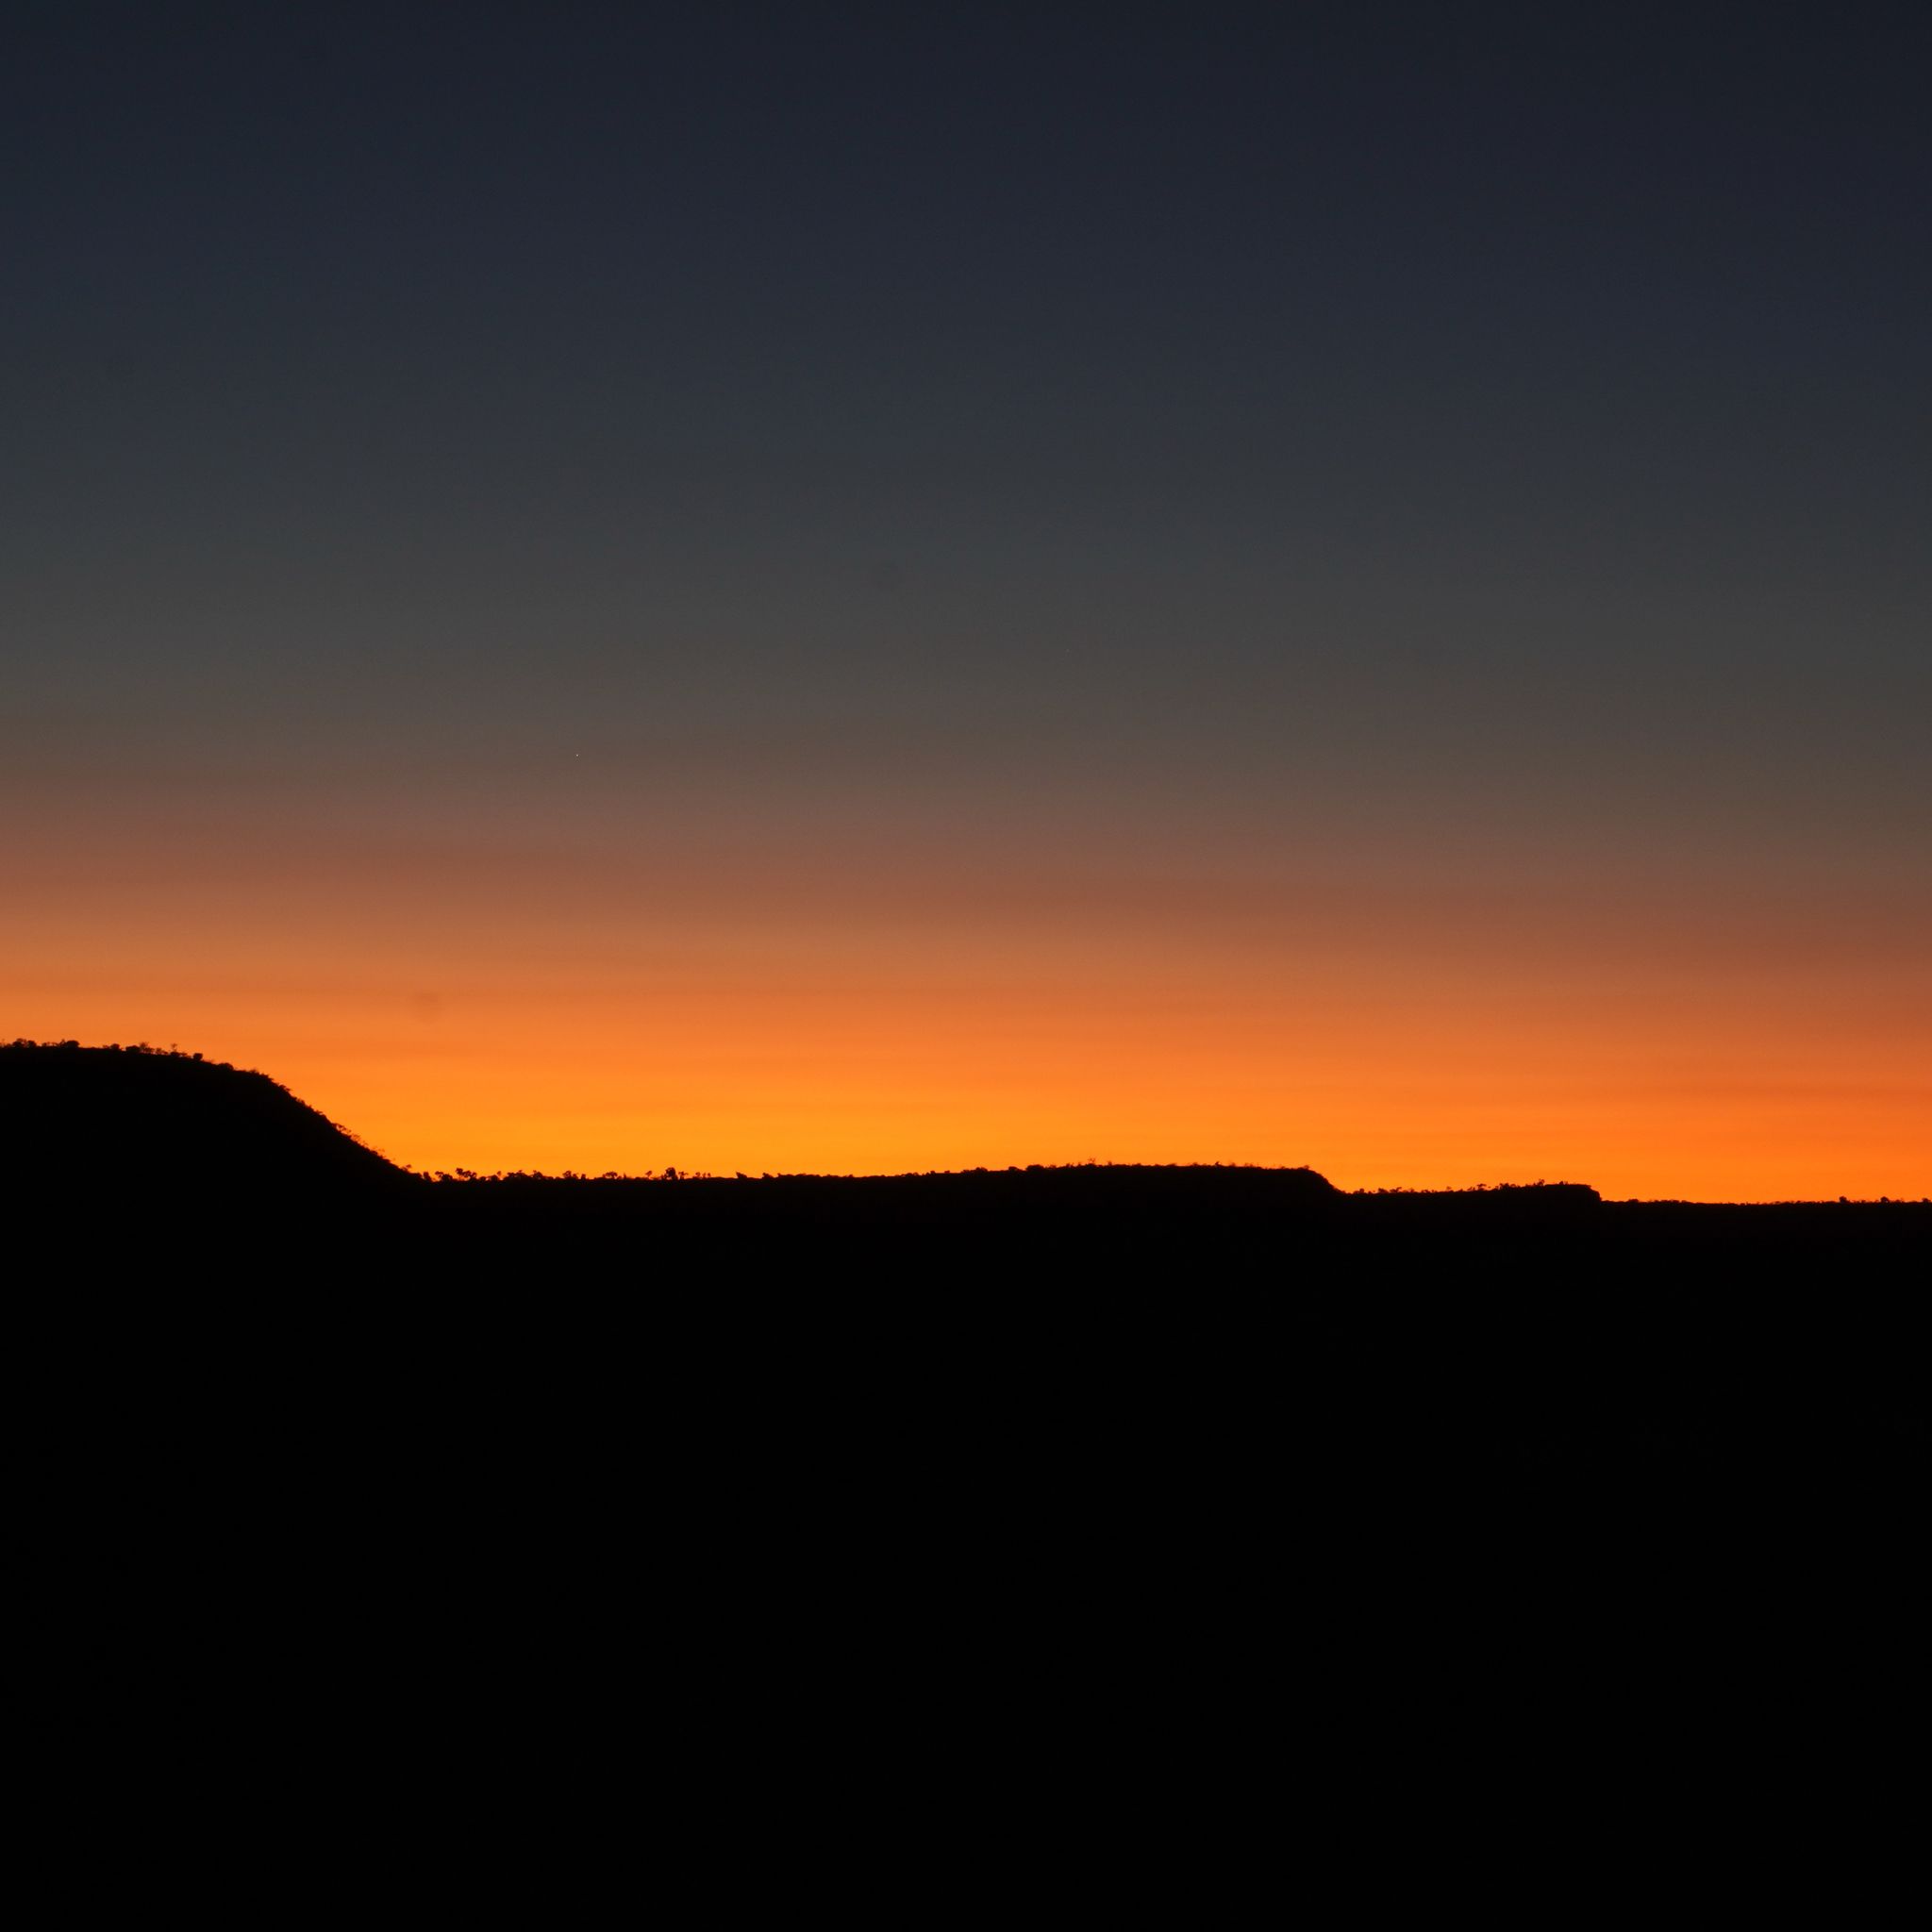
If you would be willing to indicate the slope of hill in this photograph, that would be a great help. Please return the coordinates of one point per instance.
(135, 1119)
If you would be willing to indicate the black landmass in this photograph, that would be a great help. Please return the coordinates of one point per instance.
(1018, 1427)
(98, 1120)
(1640, 1328)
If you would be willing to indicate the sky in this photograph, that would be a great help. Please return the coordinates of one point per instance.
(852, 588)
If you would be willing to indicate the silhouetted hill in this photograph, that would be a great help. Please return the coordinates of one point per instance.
(400, 1441)
(1538, 1313)
(112, 1121)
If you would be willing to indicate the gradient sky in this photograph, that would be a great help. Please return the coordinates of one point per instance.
(860, 589)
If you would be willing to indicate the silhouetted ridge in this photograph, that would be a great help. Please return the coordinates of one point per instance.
(138, 1118)
(1254, 1325)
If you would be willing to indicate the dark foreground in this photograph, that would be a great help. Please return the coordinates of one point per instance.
(1235, 1330)
(995, 1471)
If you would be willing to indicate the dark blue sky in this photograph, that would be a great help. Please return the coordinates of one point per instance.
(1092, 353)
(473, 297)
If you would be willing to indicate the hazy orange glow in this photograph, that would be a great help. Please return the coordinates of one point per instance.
(866, 1011)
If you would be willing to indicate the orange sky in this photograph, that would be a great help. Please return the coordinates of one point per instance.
(871, 1008)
